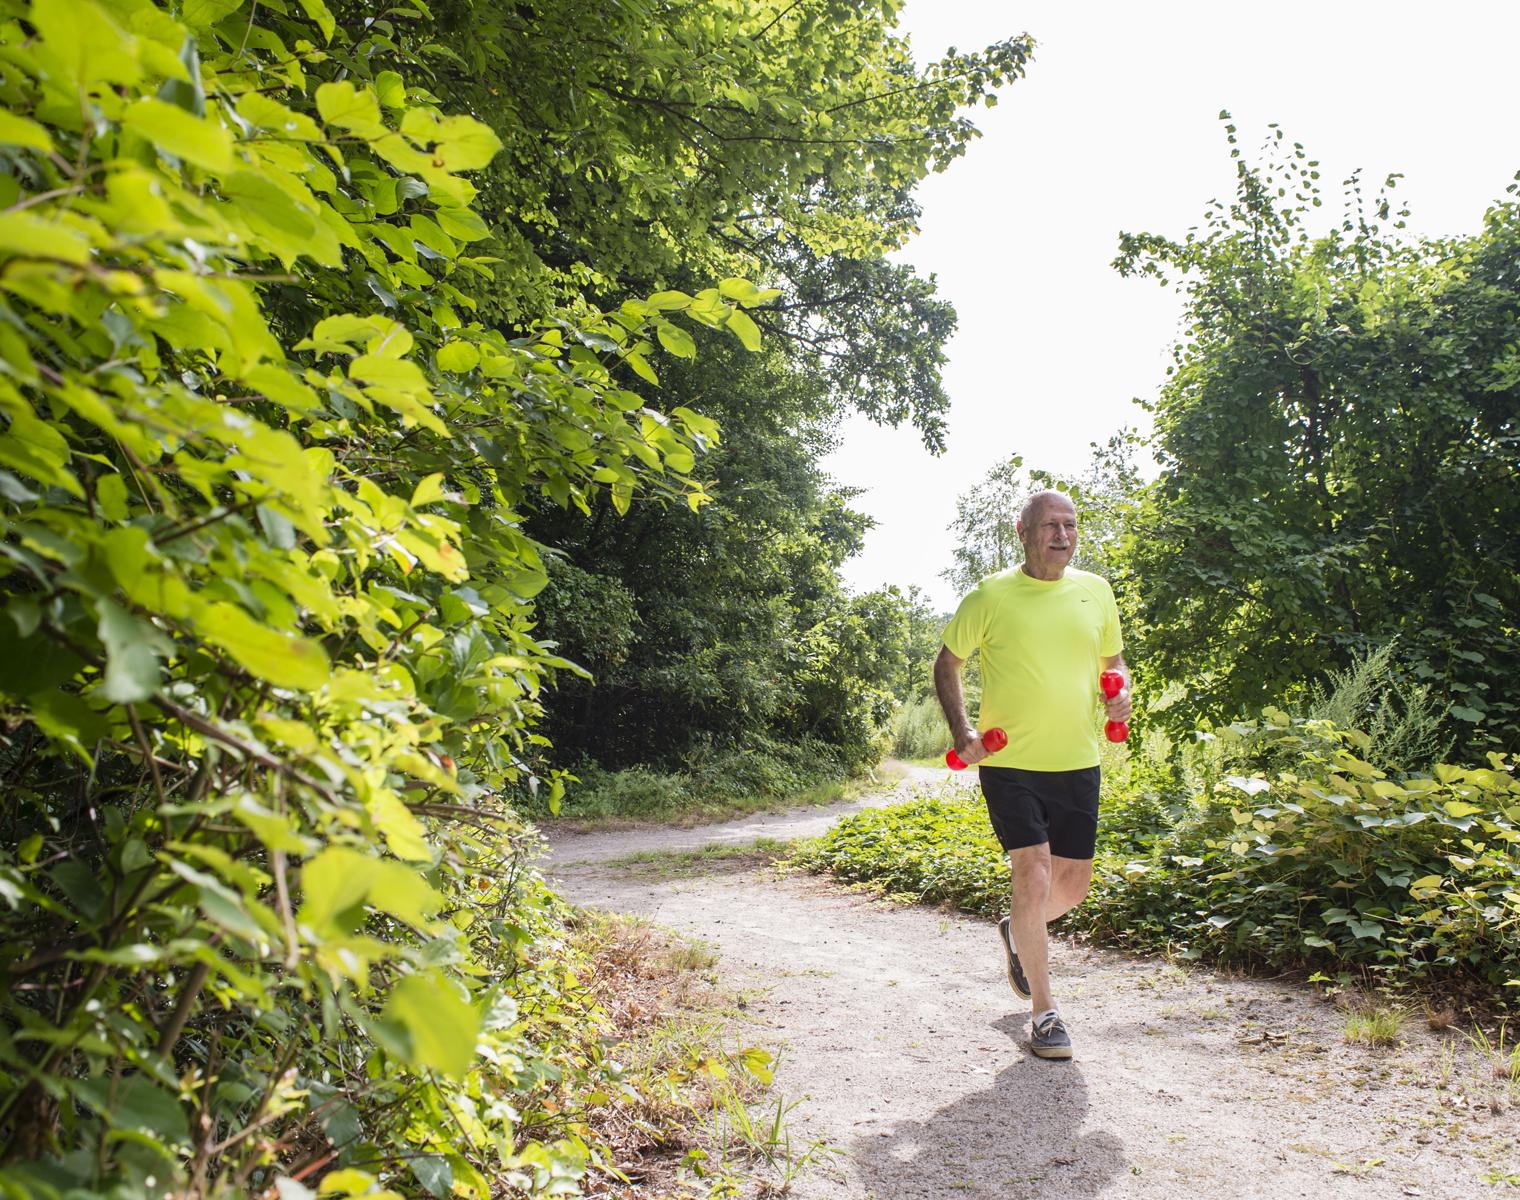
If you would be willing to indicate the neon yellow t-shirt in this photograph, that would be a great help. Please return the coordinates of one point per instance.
(1042, 642)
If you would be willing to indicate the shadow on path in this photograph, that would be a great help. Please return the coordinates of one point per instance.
(1021, 1137)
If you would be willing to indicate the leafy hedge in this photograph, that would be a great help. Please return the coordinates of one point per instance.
(1283, 849)
(267, 670)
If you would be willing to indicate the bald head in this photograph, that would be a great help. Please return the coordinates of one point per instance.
(1029, 515)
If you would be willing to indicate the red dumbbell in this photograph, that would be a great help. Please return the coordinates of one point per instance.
(993, 739)
(1112, 683)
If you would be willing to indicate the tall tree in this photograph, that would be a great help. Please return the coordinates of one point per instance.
(1337, 441)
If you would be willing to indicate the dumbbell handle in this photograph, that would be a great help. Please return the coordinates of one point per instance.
(994, 740)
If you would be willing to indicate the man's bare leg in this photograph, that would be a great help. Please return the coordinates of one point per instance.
(1069, 880)
(1030, 899)
(1045, 886)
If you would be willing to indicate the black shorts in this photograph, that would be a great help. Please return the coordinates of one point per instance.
(1028, 808)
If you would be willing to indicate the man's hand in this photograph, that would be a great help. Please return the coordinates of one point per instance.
(1118, 706)
(969, 748)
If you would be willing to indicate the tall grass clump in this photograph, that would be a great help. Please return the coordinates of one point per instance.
(920, 730)
(1404, 720)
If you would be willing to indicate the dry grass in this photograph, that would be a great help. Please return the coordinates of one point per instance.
(664, 1023)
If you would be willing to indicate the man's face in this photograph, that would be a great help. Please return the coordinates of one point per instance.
(1050, 537)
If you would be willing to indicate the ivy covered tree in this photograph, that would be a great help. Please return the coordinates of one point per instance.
(1337, 442)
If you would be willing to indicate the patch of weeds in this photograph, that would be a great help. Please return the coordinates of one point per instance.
(704, 860)
(1357, 1169)
(673, 1123)
(758, 1134)
(1497, 1082)
(1375, 1025)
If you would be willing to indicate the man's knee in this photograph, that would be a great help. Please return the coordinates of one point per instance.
(1071, 879)
(1031, 870)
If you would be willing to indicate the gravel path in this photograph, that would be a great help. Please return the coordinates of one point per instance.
(908, 1054)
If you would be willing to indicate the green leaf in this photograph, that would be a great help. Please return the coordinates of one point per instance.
(65, 716)
(465, 224)
(401, 890)
(641, 367)
(458, 357)
(333, 883)
(22, 131)
(404, 834)
(441, 1025)
(391, 89)
(136, 1102)
(427, 490)
(259, 109)
(455, 143)
(200, 140)
(744, 329)
(435, 1174)
(133, 648)
(87, 42)
(32, 664)
(351, 108)
(283, 659)
(80, 888)
(676, 340)
(322, 15)
(27, 235)
(283, 388)
(669, 301)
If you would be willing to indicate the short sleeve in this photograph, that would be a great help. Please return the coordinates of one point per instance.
(1112, 642)
(966, 629)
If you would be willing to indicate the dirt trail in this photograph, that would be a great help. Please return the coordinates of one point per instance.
(908, 1054)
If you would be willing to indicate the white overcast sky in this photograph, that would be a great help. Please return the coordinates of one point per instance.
(1115, 127)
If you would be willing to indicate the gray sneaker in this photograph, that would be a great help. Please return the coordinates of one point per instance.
(1050, 1039)
(1016, 979)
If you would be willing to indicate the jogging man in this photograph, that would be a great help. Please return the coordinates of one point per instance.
(1046, 631)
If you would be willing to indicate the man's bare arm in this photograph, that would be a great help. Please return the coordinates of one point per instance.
(947, 685)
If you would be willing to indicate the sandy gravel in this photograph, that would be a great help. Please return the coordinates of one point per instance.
(908, 1054)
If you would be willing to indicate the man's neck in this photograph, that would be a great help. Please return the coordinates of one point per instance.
(1045, 574)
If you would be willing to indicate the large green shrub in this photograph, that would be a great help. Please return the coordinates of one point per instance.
(267, 671)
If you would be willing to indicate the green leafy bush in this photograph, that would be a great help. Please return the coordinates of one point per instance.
(267, 671)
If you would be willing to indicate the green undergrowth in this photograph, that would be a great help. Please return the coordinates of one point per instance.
(1271, 844)
(724, 784)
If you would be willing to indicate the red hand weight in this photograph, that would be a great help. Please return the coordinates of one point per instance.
(994, 740)
(1112, 683)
